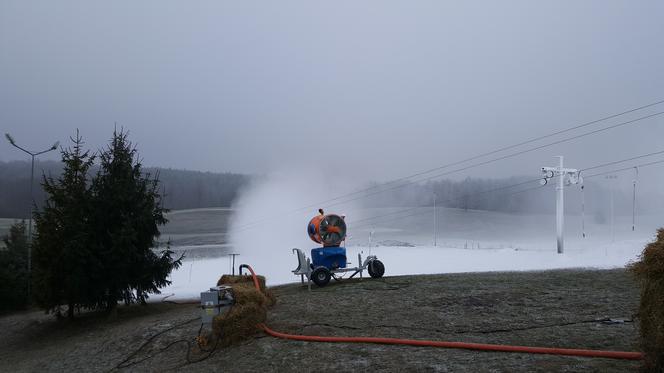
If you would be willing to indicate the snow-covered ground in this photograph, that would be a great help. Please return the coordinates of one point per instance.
(468, 241)
(195, 276)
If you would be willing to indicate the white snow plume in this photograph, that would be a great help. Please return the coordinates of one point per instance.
(272, 215)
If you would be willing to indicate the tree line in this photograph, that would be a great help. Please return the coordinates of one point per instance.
(181, 189)
(184, 189)
(494, 195)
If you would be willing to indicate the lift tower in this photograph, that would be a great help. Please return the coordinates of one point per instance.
(566, 176)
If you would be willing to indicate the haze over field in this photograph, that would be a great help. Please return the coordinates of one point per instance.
(468, 241)
(312, 102)
(479, 178)
(369, 91)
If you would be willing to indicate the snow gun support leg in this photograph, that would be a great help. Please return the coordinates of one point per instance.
(364, 265)
(303, 267)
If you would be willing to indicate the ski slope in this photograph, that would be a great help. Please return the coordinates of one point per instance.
(470, 241)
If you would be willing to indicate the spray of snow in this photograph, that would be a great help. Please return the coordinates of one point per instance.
(267, 223)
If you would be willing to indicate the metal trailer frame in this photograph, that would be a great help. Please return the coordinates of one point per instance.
(304, 267)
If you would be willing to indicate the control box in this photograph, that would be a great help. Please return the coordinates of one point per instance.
(215, 302)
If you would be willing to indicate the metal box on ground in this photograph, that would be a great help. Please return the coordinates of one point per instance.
(215, 302)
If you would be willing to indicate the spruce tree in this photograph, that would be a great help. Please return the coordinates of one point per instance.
(65, 266)
(14, 268)
(127, 215)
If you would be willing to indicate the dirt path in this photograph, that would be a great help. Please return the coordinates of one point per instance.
(551, 308)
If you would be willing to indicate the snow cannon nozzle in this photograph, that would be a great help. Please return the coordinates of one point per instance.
(328, 230)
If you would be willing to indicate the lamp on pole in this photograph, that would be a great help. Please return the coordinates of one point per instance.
(32, 198)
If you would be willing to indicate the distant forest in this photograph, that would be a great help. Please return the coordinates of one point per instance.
(182, 189)
(496, 195)
(194, 189)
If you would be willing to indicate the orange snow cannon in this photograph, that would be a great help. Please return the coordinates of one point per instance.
(328, 230)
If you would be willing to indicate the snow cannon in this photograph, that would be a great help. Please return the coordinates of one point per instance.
(330, 261)
(328, 230)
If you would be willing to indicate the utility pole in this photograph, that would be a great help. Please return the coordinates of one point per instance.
(612, 179)
(583, 211)
(32, 197)
(636, 177)
(566, 176)
(435, 219)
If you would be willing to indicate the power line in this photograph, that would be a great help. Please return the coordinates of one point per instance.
(250, 225)
(525, 182)
(453, 199)
(424, 212)
(642, 165)
(622, 161)
(624, 169)
(456, 163)
(503, 157)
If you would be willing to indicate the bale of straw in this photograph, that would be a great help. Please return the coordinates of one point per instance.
(230, 280)
(250, 308)
(239, 323)
(246, 279)
(649, 271)
(247, 293)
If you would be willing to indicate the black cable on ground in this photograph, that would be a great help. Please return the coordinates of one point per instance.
(209, 353)
(123, 363)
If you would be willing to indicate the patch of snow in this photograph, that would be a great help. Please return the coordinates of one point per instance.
(196, 276)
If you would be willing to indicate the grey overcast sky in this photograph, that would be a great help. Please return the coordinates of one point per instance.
(380, 88)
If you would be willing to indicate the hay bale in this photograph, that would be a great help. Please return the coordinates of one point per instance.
(247, 294)
(239, 323)
(649, 271)
(246, 279)
(230, 280)
(250, 309)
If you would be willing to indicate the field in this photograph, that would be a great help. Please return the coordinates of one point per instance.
(452, 291)
(467, 241)
(561, 308)
(4, 228)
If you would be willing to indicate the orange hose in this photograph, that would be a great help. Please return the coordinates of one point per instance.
(462, 345)
(253, 275)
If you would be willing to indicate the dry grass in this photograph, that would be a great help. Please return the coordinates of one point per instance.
(230, 280)
(521, 308)
(250, 308)
(650, 273)
(245, 279)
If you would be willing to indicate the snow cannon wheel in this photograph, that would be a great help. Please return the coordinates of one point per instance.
(321, 276)
(376, 269)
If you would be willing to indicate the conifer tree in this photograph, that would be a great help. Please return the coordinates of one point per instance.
(128, 211)
(14, 268)
(65, 266)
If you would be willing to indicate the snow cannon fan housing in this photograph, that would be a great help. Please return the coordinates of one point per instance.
(328, 230)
